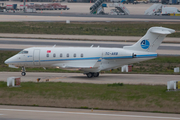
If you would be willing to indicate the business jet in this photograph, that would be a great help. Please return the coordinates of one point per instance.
(91, 60)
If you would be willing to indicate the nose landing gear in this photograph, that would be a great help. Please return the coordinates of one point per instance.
(23, 73)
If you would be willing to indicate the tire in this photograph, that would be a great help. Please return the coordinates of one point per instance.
(96, 74)
(89, 75)
(23, 73)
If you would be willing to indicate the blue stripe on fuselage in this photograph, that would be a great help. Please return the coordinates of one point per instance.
(92, 58)
(150, 55)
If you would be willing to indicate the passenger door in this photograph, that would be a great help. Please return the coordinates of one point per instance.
(36, 57)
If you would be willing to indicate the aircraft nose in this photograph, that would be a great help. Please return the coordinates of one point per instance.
(7, 61)
(11, 60)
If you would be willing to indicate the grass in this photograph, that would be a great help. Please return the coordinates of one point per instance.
(115, 84)
(103, 28)
(101, 96)
(159, 65)
(164, 65)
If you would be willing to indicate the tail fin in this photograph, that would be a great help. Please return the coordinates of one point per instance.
(151, 40)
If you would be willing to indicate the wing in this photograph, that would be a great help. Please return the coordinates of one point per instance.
(95, 66)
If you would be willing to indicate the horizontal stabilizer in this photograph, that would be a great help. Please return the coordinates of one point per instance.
(163, 32)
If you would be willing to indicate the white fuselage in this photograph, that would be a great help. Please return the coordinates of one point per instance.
(83, 58)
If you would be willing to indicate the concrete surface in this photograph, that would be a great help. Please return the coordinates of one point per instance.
(81, 12)
(152, 79)
(84, 7)
(45, 113)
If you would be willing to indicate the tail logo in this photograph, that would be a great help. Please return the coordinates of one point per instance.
(145, 44)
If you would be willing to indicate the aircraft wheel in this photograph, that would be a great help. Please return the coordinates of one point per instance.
(23, 73)
(96, 74)
(89, 75)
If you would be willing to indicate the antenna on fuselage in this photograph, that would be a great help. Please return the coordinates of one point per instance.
(54, 45)
(92, 46)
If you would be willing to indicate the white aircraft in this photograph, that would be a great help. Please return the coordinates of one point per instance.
(91, 60)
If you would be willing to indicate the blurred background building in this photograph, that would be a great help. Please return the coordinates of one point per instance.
(89, 1)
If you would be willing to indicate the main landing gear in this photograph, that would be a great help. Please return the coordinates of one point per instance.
(90, 75)
(23, 73)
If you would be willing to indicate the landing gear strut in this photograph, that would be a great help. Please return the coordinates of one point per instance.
(90, 75)
(23, 73)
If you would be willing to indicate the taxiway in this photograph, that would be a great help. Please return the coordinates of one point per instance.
(151, 79)
(45, 113)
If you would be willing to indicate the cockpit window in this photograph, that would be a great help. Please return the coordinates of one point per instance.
(23, 52)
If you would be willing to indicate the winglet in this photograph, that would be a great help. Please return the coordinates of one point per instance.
(97, 64)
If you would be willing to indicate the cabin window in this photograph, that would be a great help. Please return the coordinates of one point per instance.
(54, 55)
(61, 55)
(47, 55)
(81, 55)
(68, 55)
(74, 54)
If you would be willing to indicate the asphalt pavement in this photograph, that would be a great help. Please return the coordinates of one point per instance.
(151, 79)
(49, 14)
(46, 113)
